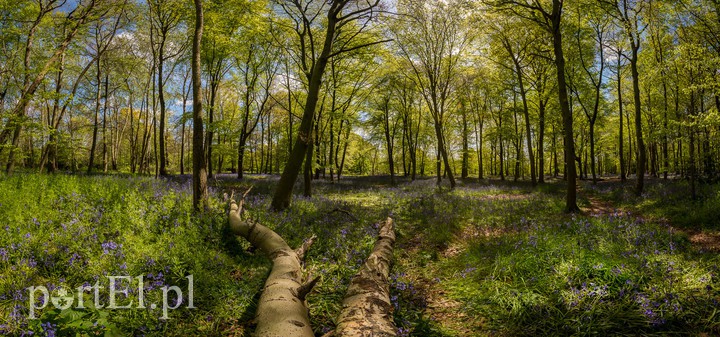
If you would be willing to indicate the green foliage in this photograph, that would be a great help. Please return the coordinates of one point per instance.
(613, 274)
(501, 251)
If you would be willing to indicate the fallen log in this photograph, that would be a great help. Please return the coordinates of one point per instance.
(367, 310)
(282, 309)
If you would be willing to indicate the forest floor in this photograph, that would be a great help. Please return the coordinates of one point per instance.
(489, 258)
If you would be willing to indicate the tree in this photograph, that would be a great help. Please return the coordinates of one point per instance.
(103, 39)
(200, 190)
(595, 72)
(551, 21)
(75, 20)
(341, 15)
(165, 17)
(540, 80)
(517, 50)
(618, 46)
(432, 37)
(386, 119)
(258, 69)
(408, 105)
(628, 13)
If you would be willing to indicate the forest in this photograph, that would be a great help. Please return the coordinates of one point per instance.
(359, 167)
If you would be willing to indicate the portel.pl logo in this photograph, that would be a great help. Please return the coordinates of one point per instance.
(62, 299)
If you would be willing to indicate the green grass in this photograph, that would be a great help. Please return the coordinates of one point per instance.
(668, 200)
(504, 253)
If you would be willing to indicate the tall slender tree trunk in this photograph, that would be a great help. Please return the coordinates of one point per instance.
(478, 145)
(182, 130)
(541, 141)
(210, 133)
(621, 140)
(691, 164)
(307, 172)
(516, 143)
(283, 191)
(200, 190)
(592, 152)
(241, 156)
(640, 168)
(93, 145)
(443, 152)
(465, 149)
(526, 114)
(571, 195)
(104, 126)
(161, 99)
(389, 138)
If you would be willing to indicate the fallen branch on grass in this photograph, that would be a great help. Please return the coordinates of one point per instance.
(282, 310)
(367, 310)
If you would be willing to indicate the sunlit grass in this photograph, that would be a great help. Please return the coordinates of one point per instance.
(501, 257)
(608, 275)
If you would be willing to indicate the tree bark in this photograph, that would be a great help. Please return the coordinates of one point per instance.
(93, 145)
(161, 99)
(200, 190)
(283, 192)
(282, 309)
(541, 141)
(389, 138)
(367, 310)
(621, 152)
(465, 150)
(571, 195)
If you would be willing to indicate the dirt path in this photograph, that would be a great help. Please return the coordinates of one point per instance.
(598, 207)
(443, 311)
(702, 240)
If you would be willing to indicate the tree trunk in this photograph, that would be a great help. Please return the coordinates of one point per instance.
(345, 147)
(478, 145)
(307, 172)
(283, 192)
(389, 140)
(93, 145)
(592, 151)
(281, 309)
(443, 153)
(640, 168)
(210, 133)
(526, 113)
(104, 126)
(182, 132)
(161, 99)
(692, 168)
(465, 150)
(541, 142)
(200, 190)
(621, 141)
(516, 143)
(367, 310)
(571, 195)
(241, 157)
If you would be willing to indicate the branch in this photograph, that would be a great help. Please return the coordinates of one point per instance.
(358, 47)
(367, 310)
